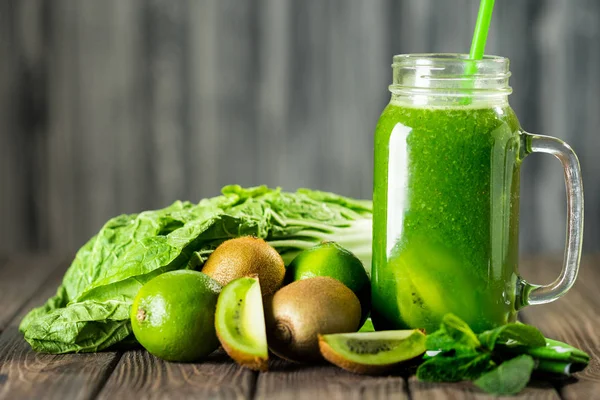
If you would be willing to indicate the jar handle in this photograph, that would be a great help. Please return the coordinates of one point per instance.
(531, 294)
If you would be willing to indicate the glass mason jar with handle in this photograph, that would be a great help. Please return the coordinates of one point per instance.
(448, 150)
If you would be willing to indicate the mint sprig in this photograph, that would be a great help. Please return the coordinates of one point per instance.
(499, 361)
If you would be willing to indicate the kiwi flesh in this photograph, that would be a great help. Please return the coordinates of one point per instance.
(240, 323)
(245, 256)
(298, 312)
(372, 352)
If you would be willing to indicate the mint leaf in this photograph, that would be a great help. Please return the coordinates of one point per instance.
(513, 334)
(509, 378)
(367, 326)
(453, 369)
(454, 334)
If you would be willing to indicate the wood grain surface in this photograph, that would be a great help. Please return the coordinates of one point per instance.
(141, 375)
(468, 391)
(25, 374)
(20, 277)
(286, 380)
(574, 319)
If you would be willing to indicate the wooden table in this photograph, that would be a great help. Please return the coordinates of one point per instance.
(27, 281)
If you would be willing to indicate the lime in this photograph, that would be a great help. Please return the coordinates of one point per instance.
(173, 315)
(332, 260)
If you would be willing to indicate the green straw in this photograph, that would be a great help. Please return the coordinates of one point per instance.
(482, 26)
(484, 18)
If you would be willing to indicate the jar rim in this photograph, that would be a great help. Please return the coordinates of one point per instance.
(449, 58)
(450, 75)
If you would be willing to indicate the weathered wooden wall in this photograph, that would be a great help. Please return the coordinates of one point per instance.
(112, 106)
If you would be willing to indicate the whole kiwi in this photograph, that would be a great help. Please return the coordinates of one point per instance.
(302, 310)
(246, 256)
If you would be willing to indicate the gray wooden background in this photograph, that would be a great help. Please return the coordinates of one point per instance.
(112, 106)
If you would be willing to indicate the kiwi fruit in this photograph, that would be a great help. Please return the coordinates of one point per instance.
(372, 352)
(240, 323)
(331, 259)
(245, 256)
(298, 312)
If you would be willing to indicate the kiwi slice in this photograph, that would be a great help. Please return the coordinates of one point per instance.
(240, 323)
(372, 352)
(426, 275)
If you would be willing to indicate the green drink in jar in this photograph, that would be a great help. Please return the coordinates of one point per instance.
(448, 150)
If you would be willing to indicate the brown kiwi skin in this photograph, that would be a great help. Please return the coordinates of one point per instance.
(300, 311)
(244, 256)
(244, 359)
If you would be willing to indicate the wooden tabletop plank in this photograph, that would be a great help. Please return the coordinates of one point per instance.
(468, 391)
(574, 319)
(286, 380)
(20, 277)
(141, 375)
(25, 374)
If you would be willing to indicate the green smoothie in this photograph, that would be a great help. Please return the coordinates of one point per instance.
(446, 198)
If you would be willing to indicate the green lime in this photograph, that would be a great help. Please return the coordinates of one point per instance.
(173, 315)
(332, 260)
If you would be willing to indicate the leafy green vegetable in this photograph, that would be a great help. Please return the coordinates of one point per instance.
(509, 378)
(454, 334)
(90, 311)
(554, 357)
(458, 353)
(455, 353)
(557, 350)
(367, 326)
(455, 368)
(513, 334)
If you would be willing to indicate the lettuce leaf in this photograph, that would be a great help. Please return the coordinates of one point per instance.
(90, 311)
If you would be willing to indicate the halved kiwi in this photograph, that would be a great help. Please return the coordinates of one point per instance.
(372, 352)
(240, 323)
